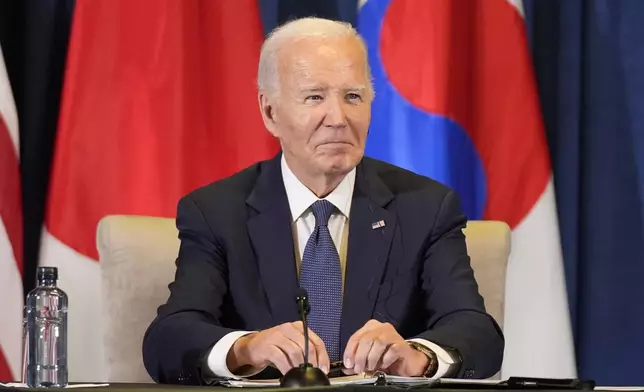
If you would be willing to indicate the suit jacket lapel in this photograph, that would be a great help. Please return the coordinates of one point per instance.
(371, 229)
(272, 239)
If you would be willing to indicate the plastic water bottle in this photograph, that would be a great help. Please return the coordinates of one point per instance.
(25, 348)
(47, 332)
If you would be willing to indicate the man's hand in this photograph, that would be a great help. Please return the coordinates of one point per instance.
(378, 346)
(281, 346)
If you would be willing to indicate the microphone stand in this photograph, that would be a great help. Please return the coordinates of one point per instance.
(304, 312)
(304, 375)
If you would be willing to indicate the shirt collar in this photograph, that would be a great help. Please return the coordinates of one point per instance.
(300, 197)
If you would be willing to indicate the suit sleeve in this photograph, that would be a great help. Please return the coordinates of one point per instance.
(177, 342)
(458, 319)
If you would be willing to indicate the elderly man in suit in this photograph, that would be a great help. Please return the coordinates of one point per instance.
(379, 249)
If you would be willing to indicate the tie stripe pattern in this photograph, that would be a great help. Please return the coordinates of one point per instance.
(321, 277)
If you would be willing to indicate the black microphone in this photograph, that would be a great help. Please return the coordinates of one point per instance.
(305, 375)
(302, 299)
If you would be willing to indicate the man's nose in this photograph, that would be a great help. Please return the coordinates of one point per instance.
(335, 115)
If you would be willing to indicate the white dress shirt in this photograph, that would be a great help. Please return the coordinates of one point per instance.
(300, 199)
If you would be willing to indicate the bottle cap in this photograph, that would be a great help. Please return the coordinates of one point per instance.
(50, 273)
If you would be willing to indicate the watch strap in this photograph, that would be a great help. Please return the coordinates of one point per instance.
(432, 366)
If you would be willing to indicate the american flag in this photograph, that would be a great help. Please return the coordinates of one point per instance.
(11, 295)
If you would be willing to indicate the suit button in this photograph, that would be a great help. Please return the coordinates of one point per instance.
(184, 378)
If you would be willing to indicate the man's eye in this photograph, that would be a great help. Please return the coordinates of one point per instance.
(354, 97)
(314, 98)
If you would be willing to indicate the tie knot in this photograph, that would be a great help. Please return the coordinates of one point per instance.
(322, 210)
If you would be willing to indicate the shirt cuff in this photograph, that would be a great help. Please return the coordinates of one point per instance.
(445, 360)
(217, 356)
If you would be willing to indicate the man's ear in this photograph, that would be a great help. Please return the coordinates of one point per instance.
(267, 108)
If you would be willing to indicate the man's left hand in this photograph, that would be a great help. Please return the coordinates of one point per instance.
(378, 346)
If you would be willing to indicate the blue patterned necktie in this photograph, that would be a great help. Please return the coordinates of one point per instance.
(321, 277)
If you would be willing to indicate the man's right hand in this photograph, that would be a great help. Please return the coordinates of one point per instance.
(281, 346)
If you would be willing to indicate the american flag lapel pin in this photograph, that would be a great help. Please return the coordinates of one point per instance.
(377, 225)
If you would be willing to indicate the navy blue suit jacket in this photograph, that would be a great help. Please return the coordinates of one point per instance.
(236, 269)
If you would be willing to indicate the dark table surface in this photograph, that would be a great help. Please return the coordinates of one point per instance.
(125, 387)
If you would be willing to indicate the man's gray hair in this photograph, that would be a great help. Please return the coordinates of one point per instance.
(267, 74)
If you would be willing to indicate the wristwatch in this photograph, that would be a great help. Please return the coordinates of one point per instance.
(432, 366)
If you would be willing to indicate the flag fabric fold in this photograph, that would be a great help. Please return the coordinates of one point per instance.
(11, 294)
(155, 104)
(456, 100)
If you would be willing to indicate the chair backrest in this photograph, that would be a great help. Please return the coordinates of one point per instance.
(137, 260)
(488, 244)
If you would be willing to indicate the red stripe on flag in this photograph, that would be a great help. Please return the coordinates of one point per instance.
(10, 203)
(5, 371)
(174, 108)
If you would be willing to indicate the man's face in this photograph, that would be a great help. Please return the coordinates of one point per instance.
(322, 109)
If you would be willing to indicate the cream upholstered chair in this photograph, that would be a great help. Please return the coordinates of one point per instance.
(137, 255)
(488, 244)
(137, 260)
